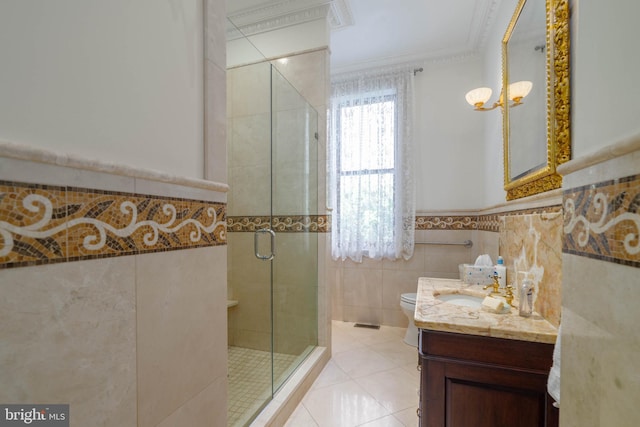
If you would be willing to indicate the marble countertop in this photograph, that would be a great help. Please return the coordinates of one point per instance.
(436, 315)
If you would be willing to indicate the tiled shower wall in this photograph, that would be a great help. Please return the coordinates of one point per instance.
(309, 73)
(249, 321)
(249, 121)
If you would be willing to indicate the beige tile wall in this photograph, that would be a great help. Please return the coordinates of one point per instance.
(369, 292)
(131, 338)
(533, 243)
(600, 335)
(179, 333)
(69, 336)
(249, 321)
(249, 121)
(248, 284)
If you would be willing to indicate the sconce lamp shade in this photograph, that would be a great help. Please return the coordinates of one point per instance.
(519, 90)
(477, 97)
(516, 91)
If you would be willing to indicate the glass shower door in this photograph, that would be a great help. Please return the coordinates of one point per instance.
(250, 330)
(294, 205)
(272, 242)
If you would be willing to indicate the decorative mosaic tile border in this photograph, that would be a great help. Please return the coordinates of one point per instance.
(322, 223)
(602, 221)
(489, 222)
(492, 222)
(446, 223)
(293, 223)
(530, 211)
(42, 224)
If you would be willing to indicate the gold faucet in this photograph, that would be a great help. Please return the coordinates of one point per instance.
(495, 285)
(508, 292)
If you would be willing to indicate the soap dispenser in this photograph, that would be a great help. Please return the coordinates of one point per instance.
(501, 272)
(525, 296)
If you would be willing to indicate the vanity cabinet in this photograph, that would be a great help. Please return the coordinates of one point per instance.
(477, 381)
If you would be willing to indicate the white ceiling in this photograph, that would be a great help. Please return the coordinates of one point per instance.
(369, 33)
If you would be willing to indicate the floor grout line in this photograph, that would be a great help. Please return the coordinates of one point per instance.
(396, 356)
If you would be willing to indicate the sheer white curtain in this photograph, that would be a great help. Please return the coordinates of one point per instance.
(371, 185)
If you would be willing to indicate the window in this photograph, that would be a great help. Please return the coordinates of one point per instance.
(366, 168)
(368, 139)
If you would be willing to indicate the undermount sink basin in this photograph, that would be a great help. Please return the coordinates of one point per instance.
(461, 299)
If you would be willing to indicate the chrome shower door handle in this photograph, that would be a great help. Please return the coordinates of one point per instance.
(256, 237)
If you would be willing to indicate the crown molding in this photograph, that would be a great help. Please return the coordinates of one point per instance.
(281, 21)
(280, 14)
(480, 36)
(285, 13)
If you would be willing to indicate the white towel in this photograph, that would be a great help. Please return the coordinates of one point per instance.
(553, 383)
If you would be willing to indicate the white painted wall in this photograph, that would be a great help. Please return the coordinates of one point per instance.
(448, 137)
(118, 81)
(460, 151)
(605, 69)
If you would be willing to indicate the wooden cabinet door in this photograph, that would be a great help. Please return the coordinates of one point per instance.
(482, 397)
(469, 381)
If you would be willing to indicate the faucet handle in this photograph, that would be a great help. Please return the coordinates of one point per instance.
(508, 296)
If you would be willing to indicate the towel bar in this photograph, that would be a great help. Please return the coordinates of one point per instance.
(466, 243)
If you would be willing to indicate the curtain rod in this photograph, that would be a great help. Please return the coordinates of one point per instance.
(376, 71)
(466, 243)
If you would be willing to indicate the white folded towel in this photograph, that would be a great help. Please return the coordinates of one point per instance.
(553, 383)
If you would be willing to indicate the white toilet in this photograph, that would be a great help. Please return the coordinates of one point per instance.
(408, 305)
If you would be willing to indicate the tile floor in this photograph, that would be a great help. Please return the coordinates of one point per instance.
(250, 381)
(371, 381)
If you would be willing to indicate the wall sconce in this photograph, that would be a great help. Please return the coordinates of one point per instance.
(517, 91)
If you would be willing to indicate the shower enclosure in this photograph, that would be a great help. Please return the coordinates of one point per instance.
(272, 252)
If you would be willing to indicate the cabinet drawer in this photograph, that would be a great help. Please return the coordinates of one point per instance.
(497, 351)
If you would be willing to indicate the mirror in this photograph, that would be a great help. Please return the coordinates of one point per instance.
(535, 48)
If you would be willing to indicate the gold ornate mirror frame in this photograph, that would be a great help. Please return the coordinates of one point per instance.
(558, 141)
